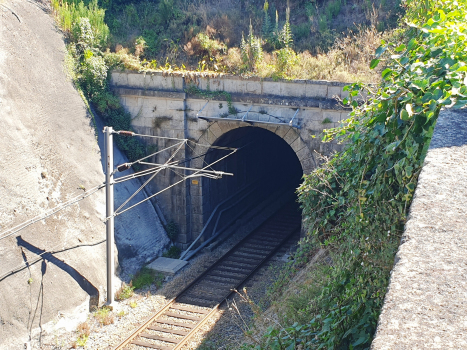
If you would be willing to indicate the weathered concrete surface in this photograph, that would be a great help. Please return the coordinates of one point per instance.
(426, 304)
(48, 154)
(167, 265)
(159, 105)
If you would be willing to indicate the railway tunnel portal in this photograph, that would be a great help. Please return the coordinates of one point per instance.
(273, 124)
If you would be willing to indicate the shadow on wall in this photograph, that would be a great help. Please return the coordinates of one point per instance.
(92, 291)
(451, 129)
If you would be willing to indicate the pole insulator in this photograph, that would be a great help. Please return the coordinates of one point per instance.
(126, 133)
(123, 167)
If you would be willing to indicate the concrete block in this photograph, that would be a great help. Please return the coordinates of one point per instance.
(167, 266)
(335, 117)
(334, 91)
(175, 105)
(345, 115)
(234, 85)
(271, 88)
(293, 89)
(119, 79)
(131, 101)
(316, 90)
(216, 84)
(253, 87)
(135, 80)
(203, 83)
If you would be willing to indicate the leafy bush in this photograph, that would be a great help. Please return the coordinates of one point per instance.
(88, 34)
(356, 204)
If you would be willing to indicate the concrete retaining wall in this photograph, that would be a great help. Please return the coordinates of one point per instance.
(159, 105)
(426, 304)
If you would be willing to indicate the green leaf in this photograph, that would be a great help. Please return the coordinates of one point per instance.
(386, 72)
(400, 48)
(374, 63)
(460, 104)
(380, 50)
(404, 115)
(408, 171)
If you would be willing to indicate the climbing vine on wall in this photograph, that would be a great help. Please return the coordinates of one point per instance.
(355, 205)
(209, 95)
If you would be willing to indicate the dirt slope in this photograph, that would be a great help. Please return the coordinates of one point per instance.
(48, 154)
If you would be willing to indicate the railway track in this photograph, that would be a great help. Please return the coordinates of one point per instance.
(171, 327)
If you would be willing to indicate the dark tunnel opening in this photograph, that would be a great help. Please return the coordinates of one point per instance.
(264, 162)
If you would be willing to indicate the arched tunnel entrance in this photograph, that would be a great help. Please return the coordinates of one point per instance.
(265, 168)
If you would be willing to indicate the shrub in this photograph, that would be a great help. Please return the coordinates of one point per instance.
(173, 252)
(125, 291)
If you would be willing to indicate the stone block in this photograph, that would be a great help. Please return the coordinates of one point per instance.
(119, 79)
(270, 127)
(291, 136)
(253, 87)
(335, 117)
(304, 153)
(293, 89)
(334, 91)
(282, 131)
(135, 80)
(308, 165)
(225, 126)
(298, 144)
(271, 88)
(316, 90)
(216, 130)
(167, 266)
(216, 84)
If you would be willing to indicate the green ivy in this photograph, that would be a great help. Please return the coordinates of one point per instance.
(209, 95)
(355, 205)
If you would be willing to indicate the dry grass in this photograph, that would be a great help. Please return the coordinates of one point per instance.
(348, 60)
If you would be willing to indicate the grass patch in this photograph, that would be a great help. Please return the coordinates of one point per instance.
(173, 252)
(125, 291)
(146, 277)
(104, 316)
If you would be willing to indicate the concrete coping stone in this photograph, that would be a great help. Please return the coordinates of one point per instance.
(167, 266)
(425, 306)
(214, 75)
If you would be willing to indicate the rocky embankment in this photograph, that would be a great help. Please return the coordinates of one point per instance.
(48, 154)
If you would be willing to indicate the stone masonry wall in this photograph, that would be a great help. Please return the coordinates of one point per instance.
(159, 105)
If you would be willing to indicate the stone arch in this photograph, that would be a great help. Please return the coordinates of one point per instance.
(289, 134)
